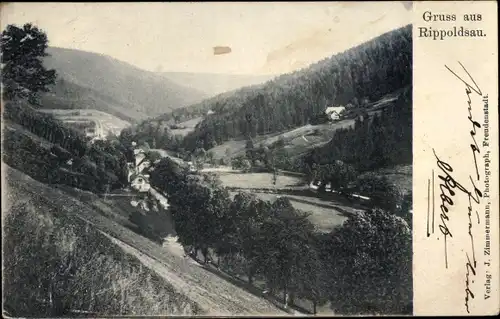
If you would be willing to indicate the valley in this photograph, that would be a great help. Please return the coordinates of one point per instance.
(132, 192)
(109, 85)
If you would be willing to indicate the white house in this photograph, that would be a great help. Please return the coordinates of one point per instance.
(138, 151)
(191, 166)
(140, 182)
(334, 112)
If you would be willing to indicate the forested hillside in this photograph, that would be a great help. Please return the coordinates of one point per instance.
(230, 99)
(87, 79)
(357, 76)
(67, 95)
(381, 140)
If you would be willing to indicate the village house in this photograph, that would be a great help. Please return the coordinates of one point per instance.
(140, 182)
(141, 164)
(334, 112)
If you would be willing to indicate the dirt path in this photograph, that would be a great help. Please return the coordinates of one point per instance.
(214, 294)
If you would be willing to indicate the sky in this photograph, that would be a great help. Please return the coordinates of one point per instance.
(264, 38)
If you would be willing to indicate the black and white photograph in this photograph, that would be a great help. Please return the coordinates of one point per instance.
(222, 159)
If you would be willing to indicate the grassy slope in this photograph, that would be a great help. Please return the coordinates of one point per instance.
(108, 121)
(52, 257)
(189, 126)
(213, 294)
(401, 175)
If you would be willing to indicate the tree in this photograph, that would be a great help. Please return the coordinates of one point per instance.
(241, 162)
(246, 166)
(200, 154)
(311, 278)
(23, 73)
(285, 234)
(382, 193)
(153, 156)
(247, 214)
(168, 176)
(406, 207)
(145, 146)
(249, 150)
(211, 158)
(275, 176)
(339, 175)
(227, 153)
(369, 263)
(198, 164)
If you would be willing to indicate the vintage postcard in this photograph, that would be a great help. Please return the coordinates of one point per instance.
(250, 159)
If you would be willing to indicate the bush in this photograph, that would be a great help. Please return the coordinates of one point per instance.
(382, 193)
(241, 162)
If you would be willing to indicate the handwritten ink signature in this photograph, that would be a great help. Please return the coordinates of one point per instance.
(449, 186)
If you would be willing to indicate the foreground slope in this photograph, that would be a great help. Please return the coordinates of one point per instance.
(213, 294)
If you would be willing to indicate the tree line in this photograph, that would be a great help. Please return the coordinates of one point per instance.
(363, 266)
(59, 154)
(156, 133)
(357, 76)
(46, 126)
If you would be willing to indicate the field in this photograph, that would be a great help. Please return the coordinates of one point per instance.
(258, 180)
(187, 287)
(189, 126)
(325, 217)
(107, 122)
(325, 214)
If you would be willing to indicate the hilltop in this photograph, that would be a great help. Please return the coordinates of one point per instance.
(215, 83)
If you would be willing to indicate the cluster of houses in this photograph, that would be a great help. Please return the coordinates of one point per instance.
(138, 178)
(138, 171)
